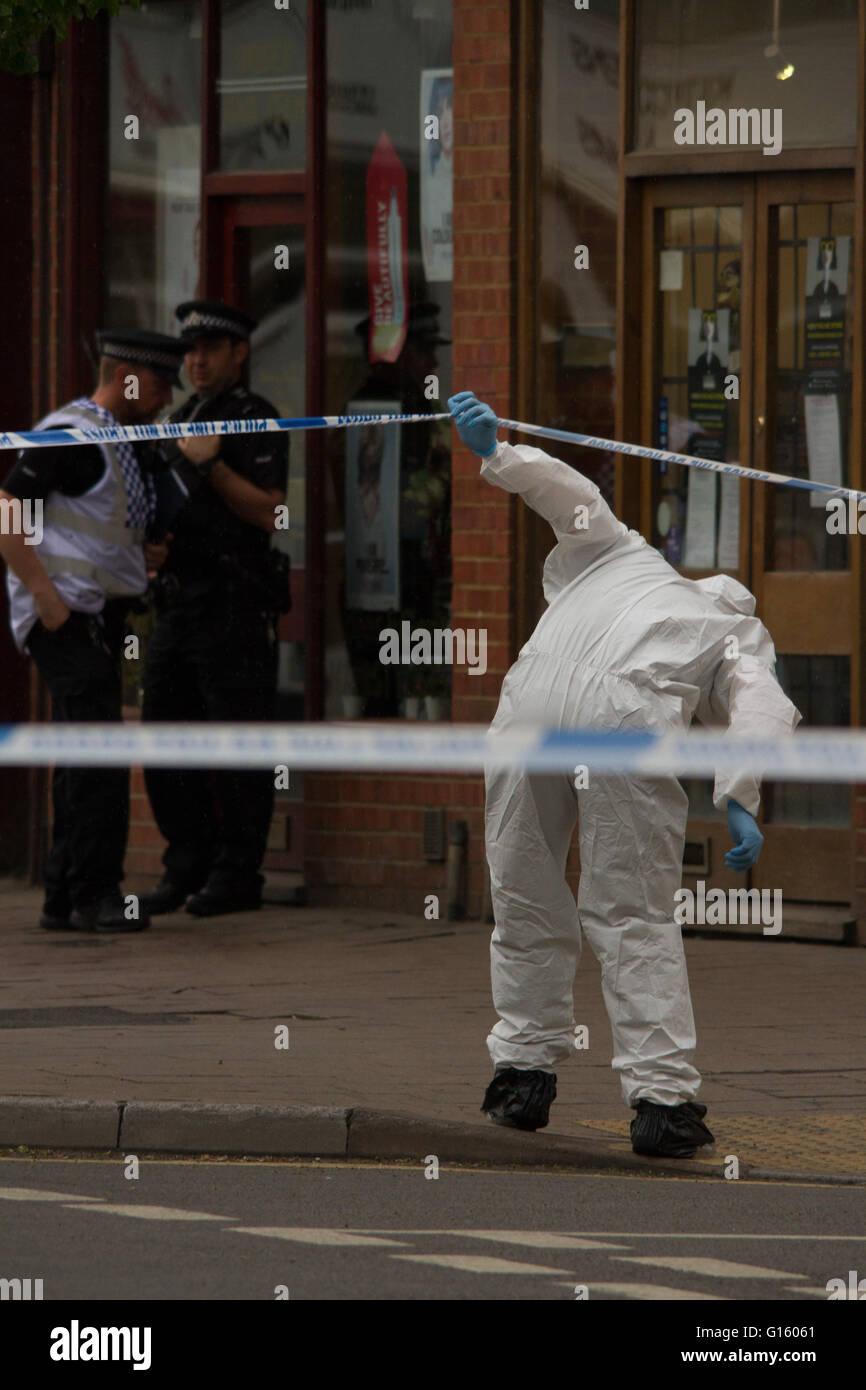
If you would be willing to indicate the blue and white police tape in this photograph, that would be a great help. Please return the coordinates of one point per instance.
(822, 755)
(733, 470)
(112, 434)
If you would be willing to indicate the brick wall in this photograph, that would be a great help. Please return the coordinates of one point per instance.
(364, 833)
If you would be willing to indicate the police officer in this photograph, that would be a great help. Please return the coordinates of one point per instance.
(213, 653)
(68, 597)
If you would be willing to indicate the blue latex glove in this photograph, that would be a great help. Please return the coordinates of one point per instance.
(476, 422)
(746, 836)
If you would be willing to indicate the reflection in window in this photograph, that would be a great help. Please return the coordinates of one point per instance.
(262, 85)
(152, 206)
(388, 530)
(576, 330)
(729, 56)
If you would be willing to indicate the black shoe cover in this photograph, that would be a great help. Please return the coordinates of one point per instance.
(520, 1099)
(669, 1131)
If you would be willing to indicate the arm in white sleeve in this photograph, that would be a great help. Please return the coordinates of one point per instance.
(556, 491)
(746, 689)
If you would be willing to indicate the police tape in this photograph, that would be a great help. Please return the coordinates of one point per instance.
(181, 429)
(835, 755)
(113, 434)
(733, 470)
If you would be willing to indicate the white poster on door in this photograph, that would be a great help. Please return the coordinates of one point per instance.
(373, 510)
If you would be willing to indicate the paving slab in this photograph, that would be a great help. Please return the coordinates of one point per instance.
(298, 1008)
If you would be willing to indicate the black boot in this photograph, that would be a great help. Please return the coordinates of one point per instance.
(520, 1099)
(107, 914)
(53, 921)
(168, 896)
(669, 1131)
(221, 895)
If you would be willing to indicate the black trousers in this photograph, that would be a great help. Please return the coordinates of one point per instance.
(80, 664)
(208, 660)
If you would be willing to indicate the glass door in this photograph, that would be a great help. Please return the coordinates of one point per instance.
(802, 570)
(264, 272)
(747, 359)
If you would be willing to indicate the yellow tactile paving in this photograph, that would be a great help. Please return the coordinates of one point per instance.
(797, 1143)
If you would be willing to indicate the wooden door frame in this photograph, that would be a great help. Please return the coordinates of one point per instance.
(809, 608)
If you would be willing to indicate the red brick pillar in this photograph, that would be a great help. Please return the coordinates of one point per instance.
(482, 516)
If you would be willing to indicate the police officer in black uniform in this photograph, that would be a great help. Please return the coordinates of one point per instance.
(213, 653)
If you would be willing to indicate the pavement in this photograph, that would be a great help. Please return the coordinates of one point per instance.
(166, 1041)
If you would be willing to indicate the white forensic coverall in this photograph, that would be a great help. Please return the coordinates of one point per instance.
(625, 643)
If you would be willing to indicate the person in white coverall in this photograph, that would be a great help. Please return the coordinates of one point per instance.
(625, 643)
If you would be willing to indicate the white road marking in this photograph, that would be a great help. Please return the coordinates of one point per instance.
(703, 1235)
(148, 1213)
(34, 1194)
(625, 1235)
(650, 1292)
(720, 1269)
(478, 1264)
(311, 1235)
(539, 1240)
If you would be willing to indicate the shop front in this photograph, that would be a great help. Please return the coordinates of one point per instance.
(739, 337)
(609, 218)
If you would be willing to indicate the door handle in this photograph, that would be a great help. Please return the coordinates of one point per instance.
(760, 423)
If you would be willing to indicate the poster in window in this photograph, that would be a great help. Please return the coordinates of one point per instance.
(373, 510)
(708, 363)
(387, 252)
(826, 290)
(437, 178)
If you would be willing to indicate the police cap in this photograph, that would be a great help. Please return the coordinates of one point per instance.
(211, 318)
(156, 350)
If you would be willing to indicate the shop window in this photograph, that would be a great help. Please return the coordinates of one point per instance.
(388, 182)
(154, 143)
(815, 259)
(262, 85)
(799, 57)
(576, 307)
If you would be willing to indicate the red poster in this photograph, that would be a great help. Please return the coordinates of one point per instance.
(387, 252)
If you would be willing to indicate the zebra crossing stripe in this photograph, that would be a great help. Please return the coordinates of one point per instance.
(312, 1235)
(719, 1269)
(479, 1264)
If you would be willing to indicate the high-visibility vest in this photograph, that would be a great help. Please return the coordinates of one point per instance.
(87, 548)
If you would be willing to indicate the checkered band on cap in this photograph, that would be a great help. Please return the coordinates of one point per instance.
(140, 353)
(196, 319)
